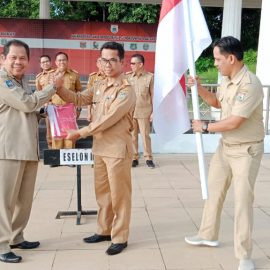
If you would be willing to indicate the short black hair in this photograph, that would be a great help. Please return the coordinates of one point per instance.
(230, 45)
(114, 46)
(18, 43)
(45, 55)
(139, 56)
(61, 53)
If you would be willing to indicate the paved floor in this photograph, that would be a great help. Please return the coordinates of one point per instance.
(167, 205)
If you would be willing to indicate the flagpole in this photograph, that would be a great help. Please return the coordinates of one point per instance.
(195, 100)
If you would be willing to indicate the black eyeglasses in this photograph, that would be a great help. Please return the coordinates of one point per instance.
(134, 63)
(111, 61)
(45, 62)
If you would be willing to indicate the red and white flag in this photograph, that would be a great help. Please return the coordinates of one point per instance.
(170, 105)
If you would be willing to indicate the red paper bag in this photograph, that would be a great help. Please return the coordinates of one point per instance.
(62, 118)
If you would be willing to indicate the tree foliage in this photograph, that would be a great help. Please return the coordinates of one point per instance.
(133, 13)
(19, 9)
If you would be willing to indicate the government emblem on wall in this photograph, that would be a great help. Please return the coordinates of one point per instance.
(133, 46)
(114, 28)
(82, 44)
(146, 46)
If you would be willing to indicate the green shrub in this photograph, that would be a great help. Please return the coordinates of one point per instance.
(204, 63)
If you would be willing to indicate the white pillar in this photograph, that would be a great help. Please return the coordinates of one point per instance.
(231, 22)
(44, 9)
(231, 26)
(263, 59)
(263, 63)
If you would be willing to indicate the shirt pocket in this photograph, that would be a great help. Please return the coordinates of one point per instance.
(71, 83)
(108, 102)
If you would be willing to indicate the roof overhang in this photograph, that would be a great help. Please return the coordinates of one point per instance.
(206, 3)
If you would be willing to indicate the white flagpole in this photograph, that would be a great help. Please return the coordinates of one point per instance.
(195, 99)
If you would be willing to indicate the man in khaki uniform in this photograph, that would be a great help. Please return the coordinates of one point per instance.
(18, 148)
(42, 77)
(71, 81)
(240, 151)
(143, 84)
(113, 101)
(42, 80)
(94, 77)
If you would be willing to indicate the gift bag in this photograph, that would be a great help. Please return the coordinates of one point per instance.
(62, 118)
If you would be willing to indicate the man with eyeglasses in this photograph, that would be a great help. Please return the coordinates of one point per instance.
(143, 83)
(42, 80)
(42, 77)
(113, 101)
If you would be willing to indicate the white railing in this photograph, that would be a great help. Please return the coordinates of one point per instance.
(207, 112)
(210, 114)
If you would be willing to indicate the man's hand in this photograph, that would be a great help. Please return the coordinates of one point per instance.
(56, 79)
(191, 81)
(151, 117)
(73, 135)
(197, 125)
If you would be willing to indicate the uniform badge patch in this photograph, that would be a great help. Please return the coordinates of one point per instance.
(10, 84)
(122, 95)
(241, 97)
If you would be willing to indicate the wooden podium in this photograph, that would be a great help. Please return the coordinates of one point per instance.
(81, 155)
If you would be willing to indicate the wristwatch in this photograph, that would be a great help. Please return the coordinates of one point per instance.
(205, 127)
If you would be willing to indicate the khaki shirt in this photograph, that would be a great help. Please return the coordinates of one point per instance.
(42, 79)
(93, 78)
(18, 118)
(72, 82)
(242, 96)
(112, 124)
(143, 85)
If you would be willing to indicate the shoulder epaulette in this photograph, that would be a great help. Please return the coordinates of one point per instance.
(39, 74)
(93, 73)
(51, 71)
(129, 72)
(75, 71)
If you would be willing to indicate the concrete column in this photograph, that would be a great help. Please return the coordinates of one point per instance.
(263, 64)
(232, 14)
(44, 9)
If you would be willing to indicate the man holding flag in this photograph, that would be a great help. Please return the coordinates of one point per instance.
(238, 157)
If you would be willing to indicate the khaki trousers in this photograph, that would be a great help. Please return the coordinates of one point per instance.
(48, 133)
(240, 164)
(142, 125)
(113, 194)
(17, 182)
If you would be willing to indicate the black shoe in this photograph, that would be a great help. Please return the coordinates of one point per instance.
(96, 238)
(54, 166)
(116, 248)
(10, 257)
(150, 164)
(26, 245)
(135, 162)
